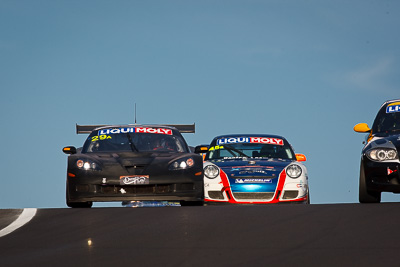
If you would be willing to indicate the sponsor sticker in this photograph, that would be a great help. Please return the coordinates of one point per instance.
(260, 140)
(135, 130)
(215, 148)
(134, 179)
(153, 130)
(394, 107)
(253, 181)
(252, 171)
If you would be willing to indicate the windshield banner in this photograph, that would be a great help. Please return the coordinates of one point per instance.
(394, 107)
(135, 130)
(260, 140)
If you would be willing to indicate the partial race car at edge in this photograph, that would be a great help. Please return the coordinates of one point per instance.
(380, 165)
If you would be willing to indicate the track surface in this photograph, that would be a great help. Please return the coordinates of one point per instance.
(273, 235)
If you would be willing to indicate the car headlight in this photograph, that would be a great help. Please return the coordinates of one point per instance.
(87, 165)
(181, 164)
(382, 154)
(293, 171)
(211, 171)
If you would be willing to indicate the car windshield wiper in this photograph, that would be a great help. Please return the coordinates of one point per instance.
(133, 147)
(230, 149)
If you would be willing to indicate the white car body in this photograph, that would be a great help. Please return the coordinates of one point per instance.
(253, 180)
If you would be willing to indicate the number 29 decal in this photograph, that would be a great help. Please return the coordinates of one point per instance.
(100, 137)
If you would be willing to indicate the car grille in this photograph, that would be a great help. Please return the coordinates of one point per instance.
(82, 188)
(147, 189)
(215, 194)
(290, 194)
(259, 196)
(135, 169)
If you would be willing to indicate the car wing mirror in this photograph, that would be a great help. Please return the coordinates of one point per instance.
(201, 149)
(301, 157)
(69, 150)
(362, 128)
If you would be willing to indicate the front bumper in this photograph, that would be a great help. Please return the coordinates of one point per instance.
(296, 191)
(227, 196)
(182, 187)
(162, 192)
(382, 176)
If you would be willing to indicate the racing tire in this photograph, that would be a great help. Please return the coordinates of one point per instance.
(86, 204)
(364, 195)
(192, 203)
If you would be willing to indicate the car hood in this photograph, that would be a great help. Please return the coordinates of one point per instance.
(250, 175)
(135, 156)
(137, 163)
(384, 140)
(395, 139)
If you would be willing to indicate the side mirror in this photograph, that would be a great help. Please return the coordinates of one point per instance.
(362, 128)
(69, 150)
(301, 157)
(201, 149)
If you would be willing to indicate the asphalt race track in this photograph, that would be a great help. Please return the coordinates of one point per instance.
(251, 235)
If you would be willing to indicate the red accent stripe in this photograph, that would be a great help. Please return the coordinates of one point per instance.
(224, 179)
(281, 183)
(227, 189)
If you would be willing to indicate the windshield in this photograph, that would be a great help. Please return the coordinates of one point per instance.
(388, 119)
(250, 147)
(134, 139)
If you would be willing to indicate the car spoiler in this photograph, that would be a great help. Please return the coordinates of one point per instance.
(183, 128)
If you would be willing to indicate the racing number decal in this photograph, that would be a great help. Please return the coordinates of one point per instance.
(100, 137)
(216, 147)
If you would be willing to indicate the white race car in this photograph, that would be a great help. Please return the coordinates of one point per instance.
(253, 169)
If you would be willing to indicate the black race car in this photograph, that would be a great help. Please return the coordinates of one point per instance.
(379, 169)
(133, 162)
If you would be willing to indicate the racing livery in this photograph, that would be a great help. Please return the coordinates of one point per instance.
(133, 162)
(379, 167)
(253, 169)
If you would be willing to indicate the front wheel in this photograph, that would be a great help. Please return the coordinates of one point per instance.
(365, 196)
(87, 204)
(192, 203)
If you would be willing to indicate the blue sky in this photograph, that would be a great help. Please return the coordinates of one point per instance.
(307, 70)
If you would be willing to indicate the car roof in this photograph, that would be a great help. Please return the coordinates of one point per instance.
(390, 101)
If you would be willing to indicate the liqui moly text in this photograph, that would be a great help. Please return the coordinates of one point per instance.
(261, 140)
(135, 130)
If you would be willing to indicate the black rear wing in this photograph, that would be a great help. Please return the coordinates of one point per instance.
(183, 128)
(85, 129)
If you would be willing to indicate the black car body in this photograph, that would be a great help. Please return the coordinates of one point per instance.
(379, 168)
(133, 162)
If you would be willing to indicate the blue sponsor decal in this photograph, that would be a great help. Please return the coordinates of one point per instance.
(253, 187)
(117, 130)
(233, 140)
(393, 108)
